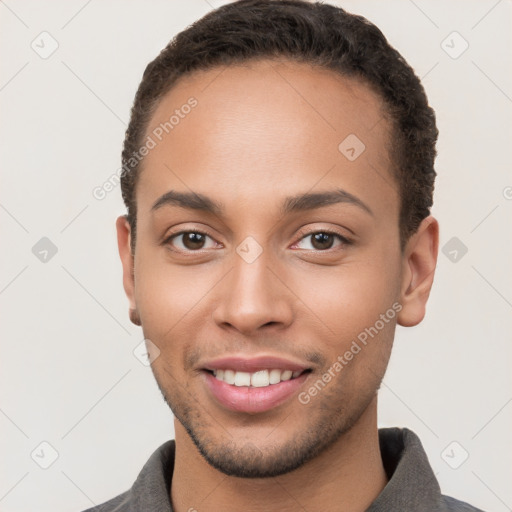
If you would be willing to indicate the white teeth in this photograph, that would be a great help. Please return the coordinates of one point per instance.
(259, 379)
(229, 376)
(242, 379)
(275, 376)
(286, 375)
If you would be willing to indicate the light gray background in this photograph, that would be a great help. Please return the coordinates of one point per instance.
(68, 373)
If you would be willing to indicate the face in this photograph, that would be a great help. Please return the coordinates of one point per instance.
(265, 251)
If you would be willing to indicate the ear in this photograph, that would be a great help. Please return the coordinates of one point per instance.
(127, 260)
(418, 267)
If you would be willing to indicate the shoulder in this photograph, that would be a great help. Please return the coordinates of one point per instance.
(151, 489)
(453, 505)
(120, 503)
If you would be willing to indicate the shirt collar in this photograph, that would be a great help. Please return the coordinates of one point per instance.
(411, 485)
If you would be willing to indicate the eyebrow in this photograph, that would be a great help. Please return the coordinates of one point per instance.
(291, 204)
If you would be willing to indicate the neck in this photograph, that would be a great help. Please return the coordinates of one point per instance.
(349, 475)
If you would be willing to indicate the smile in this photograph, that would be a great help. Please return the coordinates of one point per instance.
(256, 392)
(259, 379)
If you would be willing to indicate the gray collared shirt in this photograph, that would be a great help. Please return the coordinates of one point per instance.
(412, 485)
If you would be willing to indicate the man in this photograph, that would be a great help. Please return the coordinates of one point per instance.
(278, 172)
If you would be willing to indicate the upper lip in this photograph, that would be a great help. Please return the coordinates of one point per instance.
(253, 364)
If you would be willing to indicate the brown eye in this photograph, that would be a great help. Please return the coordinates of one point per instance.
(193, 240)
(190, 241)
(322, 241)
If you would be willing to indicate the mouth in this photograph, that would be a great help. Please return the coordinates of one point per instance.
(254, 385)
(259, 379)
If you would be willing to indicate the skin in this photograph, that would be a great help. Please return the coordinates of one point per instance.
(262, 132)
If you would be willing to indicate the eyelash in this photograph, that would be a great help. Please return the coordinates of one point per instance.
(343, 239)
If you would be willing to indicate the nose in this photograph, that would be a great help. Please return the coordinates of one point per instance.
(252, 297)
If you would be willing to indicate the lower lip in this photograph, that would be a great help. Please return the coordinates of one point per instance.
(253, 400)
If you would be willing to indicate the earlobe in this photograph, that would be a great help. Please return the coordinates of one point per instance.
(134, 317)
(127, 261)
(418, 268)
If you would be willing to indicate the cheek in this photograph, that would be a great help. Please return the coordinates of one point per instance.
(355, 306)
(349, 298)
(168, 294)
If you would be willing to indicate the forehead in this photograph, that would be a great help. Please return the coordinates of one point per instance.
(268, 129)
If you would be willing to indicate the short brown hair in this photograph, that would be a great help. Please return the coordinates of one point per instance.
(309, 32)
